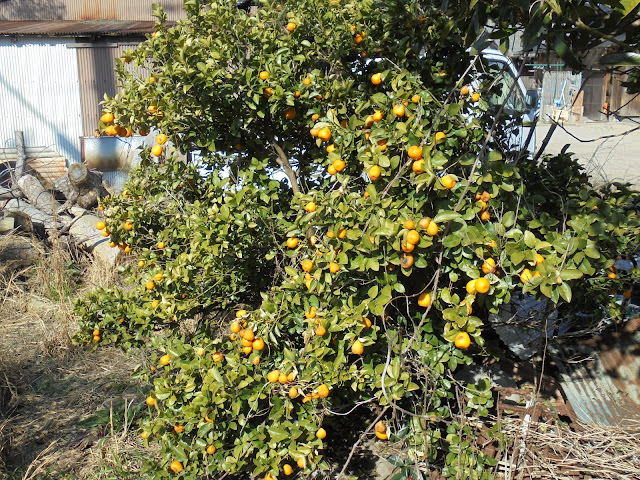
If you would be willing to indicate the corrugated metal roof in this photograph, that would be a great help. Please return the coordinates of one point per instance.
(88, 9)
(68, 27)
(601, 376)
(40, 95)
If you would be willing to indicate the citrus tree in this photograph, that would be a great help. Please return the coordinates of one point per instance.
(352, 220)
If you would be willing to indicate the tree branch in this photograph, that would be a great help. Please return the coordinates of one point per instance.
(283, 161)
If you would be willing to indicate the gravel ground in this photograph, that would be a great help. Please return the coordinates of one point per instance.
(616, 158)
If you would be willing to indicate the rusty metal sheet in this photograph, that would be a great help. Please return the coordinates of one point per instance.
(601, 376)
(67, 27)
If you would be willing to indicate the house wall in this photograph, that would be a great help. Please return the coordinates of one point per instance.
(40, 94)
(88, 9)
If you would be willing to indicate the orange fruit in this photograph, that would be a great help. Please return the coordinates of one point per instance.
(164, 360)
(409, 224)
(217, 356)
(310, 207)
(150, 285)
(380, 427)
(155, 304)
(256, 361)
(471, 287)
(406, 261)
(241, 313)
(415, 98)
(424, 300)
(157, 277)
(462, 340)
(286, 469)
(382, 436)
(105, 232)
(235, 326)
(323, 391)
(475, 97)
(418, 167)
(247, 350)
(539, 259)
(258, 344)
(415, 152)
(293, 392)
(324, 134)
(358, 39)
(339, 165)
(156, 150)
(282, 378)
(211, 449)
(342, 233)
(301, 462)
(367, 322)
(611, 275)
(128, 226)
(424, 223)
(315, 117)
(306, 264)
(106, 117)
(150, 401)
(448, 182)
(273, 376)
(482, 285)
(374, 173)
(627, 294)
(291, 26)
(161, 245)
(320, 331)
(264, 75)
(413, 237)
(144, 435)
(321, 433)
(152, 109)
(378, 116)
(200, 352)
(290, 113)
(407, 247)
(334, 267)
(488, 266)
(161, 139)
(376, 78)
(398, 110)
(464, 91)
(525, 275)
(292, 242)
(432, 229)
(307, 81)
(100, 225)
(440, 136)
(485, 216)
(331, 148)
(357, 348)
(331, 170)
(178, 428)
(96, 338)
(176, 466)
(248, 335)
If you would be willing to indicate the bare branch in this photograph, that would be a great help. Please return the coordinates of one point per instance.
(283, 161)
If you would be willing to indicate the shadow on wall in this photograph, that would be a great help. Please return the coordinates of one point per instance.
(61, 141)
(32, 10)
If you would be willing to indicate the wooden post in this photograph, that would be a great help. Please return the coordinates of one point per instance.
(21, 157)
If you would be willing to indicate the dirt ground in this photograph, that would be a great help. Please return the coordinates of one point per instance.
(608, 150)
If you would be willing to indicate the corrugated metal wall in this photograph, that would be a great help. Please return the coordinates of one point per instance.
(40, 94)
(88, 9)
(96, 63)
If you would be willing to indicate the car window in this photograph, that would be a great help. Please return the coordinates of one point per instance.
(503, 91)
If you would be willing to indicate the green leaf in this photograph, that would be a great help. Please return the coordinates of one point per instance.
(570, 274)
(565, 292)
(446, 216)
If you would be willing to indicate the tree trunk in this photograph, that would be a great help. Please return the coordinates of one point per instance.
(38, 218)
(38, 196)
(21, 156)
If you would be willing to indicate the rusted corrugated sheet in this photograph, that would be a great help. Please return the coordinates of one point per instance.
(75, 28)
(601, 376)
(88, 9)
(40, 95)
(96, 63)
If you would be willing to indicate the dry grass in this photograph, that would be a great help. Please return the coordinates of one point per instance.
(48, 385)
(555, 452)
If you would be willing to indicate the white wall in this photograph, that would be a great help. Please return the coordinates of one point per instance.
(40, 94)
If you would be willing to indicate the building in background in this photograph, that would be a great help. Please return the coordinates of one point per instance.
(57, 60)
